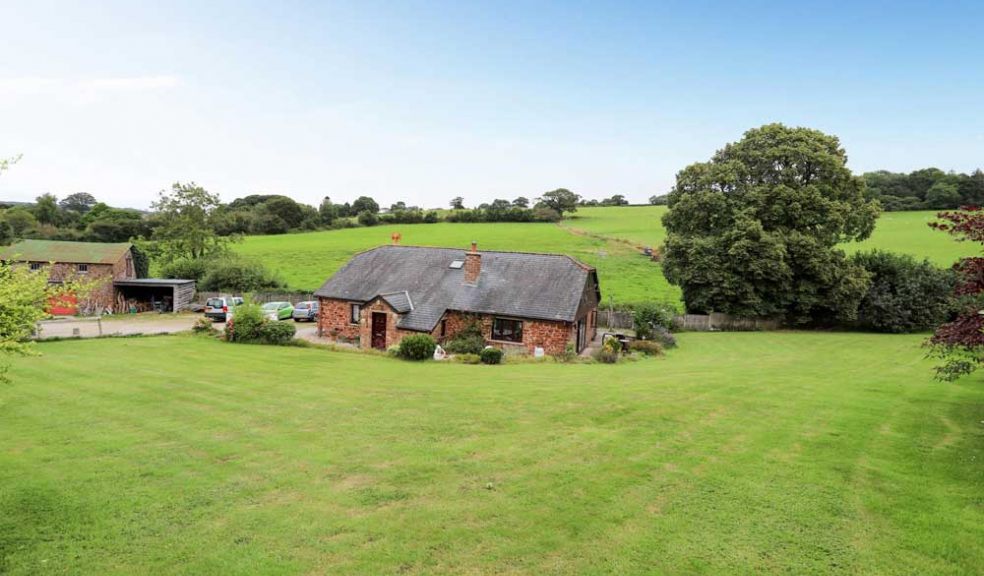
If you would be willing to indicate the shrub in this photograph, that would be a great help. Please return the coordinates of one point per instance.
(664, 337)
(905, 295)
(393, 351)
(569, 353)
(646, 317)
(186, 268)
(468, 341)
(203, 326)
(246, 323)
(277, 333)
(491, 356)
(468, 358)
(606, 356)
(367, 218)
(417, 347)
(237, 275)
(647, 347)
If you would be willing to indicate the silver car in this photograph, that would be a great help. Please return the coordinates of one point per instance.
(306, 311)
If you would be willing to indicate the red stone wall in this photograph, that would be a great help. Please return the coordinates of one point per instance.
(551, 336)
(333, 319)
(100, 276)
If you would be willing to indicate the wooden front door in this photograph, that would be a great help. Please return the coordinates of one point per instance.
(379, 330)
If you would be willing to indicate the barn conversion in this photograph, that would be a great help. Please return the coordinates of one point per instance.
(110, 266)
(519, 300)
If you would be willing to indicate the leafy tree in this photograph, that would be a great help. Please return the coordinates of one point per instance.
(46, 209)
(658, 199)
(80, 202)
(959, 343)
(186, 228)
(401, 205)
(286, 209)
(365, 204)
(905, 295)
(21, 220)
(6, 232)
(327, 211)
(753, 231)
(368, 218)
(616, 200)
(562, 200)
(521, 202)
(942, 195)
(457, 203)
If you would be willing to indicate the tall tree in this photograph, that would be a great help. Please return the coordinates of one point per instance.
(327, 211)
(365, 204)
(46, 209)
(562, 200)
(185, 227)
(521, 202)
(753, 231)
(457, 203)
(80, 202)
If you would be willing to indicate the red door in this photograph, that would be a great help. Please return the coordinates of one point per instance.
(379, 330)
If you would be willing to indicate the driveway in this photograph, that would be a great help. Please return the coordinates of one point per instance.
(147, 323)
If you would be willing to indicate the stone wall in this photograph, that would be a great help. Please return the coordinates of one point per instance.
(551, 336)
(334, 320)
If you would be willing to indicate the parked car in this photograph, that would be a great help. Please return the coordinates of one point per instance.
(222, 308)
(278, 310)
(306, 311)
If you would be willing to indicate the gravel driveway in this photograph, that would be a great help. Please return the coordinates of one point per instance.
(149, 323)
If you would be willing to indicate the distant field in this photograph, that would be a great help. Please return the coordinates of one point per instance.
(903, 232)
(305, 261)
(740, 453)
(607, 238)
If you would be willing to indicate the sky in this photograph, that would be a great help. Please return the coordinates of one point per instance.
(425, 101)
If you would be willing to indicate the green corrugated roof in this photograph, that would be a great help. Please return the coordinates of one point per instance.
(60, 251)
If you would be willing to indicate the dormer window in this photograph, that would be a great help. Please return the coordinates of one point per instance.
(82, 268)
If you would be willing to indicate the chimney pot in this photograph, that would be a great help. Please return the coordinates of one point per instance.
(474, 246)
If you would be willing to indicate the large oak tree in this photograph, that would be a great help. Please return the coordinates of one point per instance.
(753, 231)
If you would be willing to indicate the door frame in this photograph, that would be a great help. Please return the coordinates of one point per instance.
(372, 330)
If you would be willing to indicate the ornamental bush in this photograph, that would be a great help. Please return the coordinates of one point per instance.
(491, 356)
(417, 347)
(277, 333)
(649, 316)
(467, 341)
(647, 347)
(905, 295)
(246, 323)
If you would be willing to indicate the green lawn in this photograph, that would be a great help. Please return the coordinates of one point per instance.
(904, 232)
(306, 260)
(608, 238)
(739, 453)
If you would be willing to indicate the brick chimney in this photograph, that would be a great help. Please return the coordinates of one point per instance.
(473, 264)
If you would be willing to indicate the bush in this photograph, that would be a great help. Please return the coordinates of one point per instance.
(393, 351)
(237, 275)
(569, 353)
(491, 356)
(606, 356)
(664, 337)
(417, 347)
(647, 347)
(277, 333)
(367, 218)
(246, 323)
(646, 317)
(467, 341)
(203, 326)
(186, 268)
(905, 295)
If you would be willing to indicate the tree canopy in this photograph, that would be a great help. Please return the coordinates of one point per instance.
(186, 227)
(561, 200)
(752, 232)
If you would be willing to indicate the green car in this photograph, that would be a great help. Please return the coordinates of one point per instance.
(278, 310)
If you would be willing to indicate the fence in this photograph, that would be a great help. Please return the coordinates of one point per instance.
(622, 320)
(263, 297)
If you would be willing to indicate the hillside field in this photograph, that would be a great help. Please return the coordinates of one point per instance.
(608, 238)
(749, 453)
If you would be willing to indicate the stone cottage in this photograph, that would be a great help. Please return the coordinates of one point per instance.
(521, 301)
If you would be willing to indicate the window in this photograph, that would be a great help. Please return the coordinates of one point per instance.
(356, 312)
(82, 268)
(507, 330)
(35, 266)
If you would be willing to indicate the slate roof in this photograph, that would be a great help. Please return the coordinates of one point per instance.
(524, 285)
(62, 251)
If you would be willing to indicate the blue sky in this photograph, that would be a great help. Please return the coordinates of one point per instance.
(423, 101)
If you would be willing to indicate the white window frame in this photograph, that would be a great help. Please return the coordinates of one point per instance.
(355, 313)
(82, 268)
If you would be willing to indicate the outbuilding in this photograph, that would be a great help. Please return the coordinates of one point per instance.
(153, 294)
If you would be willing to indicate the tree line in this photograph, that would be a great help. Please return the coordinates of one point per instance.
(926, 189)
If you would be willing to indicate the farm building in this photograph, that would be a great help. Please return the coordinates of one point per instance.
(521, 301)
(110, 266)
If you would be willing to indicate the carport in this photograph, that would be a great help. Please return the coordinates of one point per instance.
(153, 295)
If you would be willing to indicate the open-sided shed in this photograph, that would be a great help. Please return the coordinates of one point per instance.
(153, 294)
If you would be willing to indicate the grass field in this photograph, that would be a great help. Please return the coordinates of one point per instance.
(305, 261)
(607, 238)
(737, 453)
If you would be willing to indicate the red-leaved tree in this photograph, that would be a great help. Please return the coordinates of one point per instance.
(960, 342)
